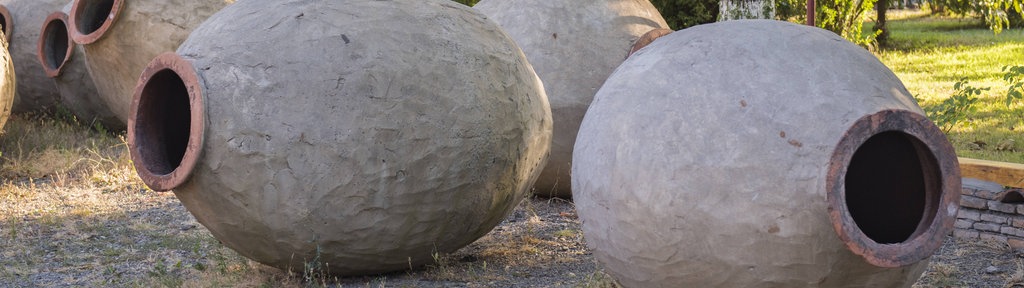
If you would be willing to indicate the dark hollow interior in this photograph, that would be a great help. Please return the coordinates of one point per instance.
(1014, 197)
(3, 25)
(55, 44)
(92, 15)
(163, 122)
(886, 188)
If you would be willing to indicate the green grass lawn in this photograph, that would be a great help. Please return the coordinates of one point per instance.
(930, 53)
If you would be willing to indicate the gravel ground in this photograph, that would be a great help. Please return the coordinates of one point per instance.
(962, 263)
(957, 264)
(539, 245)
(142, 238)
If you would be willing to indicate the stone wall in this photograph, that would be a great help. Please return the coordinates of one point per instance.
(989, 211)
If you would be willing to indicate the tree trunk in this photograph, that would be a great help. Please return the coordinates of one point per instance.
(746, 9)
(880, 8)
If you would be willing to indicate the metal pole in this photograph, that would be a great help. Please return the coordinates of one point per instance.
(810, 12)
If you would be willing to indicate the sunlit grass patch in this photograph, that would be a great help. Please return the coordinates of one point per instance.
(37, 148)
(929, 54)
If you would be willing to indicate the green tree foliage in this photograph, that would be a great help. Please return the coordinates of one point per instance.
(1015, 18)
(844, 18)
(793, 10)
(685, 13)
(997, 14)
(957, 108)
(1015, 77)
(840, 16)
(467, 2)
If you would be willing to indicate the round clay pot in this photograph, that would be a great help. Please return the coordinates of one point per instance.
(574, 46)
(64, 61)
(7, 80)
(6, 23)
(757, 153)
(23, 18)
(120, 37)
(361, 135)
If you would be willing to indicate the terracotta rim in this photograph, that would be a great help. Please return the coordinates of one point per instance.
(82, 9)
(45, 47)
(647, 39)
(939, 165)
(8, 23)
(148, 127)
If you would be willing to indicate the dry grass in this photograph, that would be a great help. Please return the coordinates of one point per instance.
(74, 213)
(33, 147)
(1017, 278)
(946, 275)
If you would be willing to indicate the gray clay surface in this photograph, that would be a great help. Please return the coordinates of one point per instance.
(78, 91)
(7, 82)
(574, 46)
(36, 91)
(701, 162)
(384, 132)
(79, 95)
(143, 30)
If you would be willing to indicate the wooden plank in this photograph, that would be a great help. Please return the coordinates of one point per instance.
(1004, 173)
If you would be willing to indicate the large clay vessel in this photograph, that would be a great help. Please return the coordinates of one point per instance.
(757, 153)
(36, 91)
(6, 23)
(574, 46)
(7, 81)
(120, 37)
(64, 61)
(363, 135)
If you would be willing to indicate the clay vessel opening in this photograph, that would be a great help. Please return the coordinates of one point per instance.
(647, 39)
(165, 110)
(166, 126)
(55, 45)
(891, 181)
(893, 188)
(92, 18)
(6, 23)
